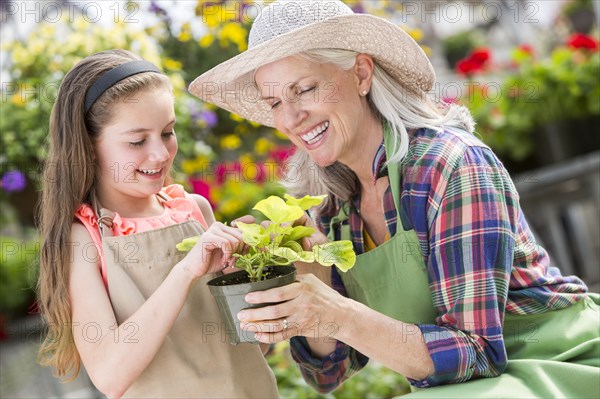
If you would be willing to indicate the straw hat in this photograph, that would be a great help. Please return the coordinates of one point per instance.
(288, 27)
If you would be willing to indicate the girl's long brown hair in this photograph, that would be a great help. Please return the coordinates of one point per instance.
(69, 176)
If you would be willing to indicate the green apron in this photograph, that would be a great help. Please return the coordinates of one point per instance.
(393, 280)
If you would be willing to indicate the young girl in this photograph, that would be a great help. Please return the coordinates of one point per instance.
(114, 290)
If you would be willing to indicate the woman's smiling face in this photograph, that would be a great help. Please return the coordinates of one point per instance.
(316, 105)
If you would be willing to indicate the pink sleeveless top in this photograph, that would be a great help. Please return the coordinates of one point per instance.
(178, 209)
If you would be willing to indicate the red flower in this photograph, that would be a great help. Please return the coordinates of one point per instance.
(281, 154)
(202, 188)
(481, 55)
(475, 62)
(578, 40)
(467, 67)
(526, 48)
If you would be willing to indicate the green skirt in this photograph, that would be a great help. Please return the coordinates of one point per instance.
(550, 355)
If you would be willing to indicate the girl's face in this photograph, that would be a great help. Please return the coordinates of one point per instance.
(317, 106)
(135, 150)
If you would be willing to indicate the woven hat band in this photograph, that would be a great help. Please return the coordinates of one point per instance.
(115, 75)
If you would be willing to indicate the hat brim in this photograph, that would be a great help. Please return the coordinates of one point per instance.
(230, 85)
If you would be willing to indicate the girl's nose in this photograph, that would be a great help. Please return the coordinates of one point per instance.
(159, 152)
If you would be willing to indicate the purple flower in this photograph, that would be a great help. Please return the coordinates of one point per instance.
(13, 181)
(209, 117)
(156, 9)
(359, 9)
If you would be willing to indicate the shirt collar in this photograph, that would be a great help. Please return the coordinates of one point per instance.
(379, 167)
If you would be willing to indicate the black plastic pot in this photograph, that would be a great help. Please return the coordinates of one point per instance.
(230, 297)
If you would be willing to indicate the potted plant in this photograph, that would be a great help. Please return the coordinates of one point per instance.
(267, 263)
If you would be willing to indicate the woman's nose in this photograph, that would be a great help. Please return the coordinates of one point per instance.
(293, 115)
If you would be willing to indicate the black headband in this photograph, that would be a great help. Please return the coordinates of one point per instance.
(115, 75)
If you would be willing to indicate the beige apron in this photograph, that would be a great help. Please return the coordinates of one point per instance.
(196, 359)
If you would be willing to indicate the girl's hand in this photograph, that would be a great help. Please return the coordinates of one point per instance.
(311, 309)
(213, 251)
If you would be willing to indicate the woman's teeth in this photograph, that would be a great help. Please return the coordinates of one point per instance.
(315, 135)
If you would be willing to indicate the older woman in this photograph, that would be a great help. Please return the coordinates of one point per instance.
(449, 285)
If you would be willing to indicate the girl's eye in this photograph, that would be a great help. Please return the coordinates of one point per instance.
(275, 104)
(137, 143)
(166, 135)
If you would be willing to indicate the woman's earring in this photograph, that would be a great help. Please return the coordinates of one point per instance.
(364, 93)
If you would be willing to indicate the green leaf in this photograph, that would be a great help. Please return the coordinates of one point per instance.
(278, 211)
(305, 202)
(252, 233)
(297, 233)
(339, 253)
(187, 244)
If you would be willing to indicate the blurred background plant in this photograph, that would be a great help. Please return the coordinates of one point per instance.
(537, 109)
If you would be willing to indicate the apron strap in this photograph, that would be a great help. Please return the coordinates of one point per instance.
(105, 222)
(394, 176)
(163, 196)
(106, 217)
(394, 170)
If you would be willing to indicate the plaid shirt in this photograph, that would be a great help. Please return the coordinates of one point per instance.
(481, 256)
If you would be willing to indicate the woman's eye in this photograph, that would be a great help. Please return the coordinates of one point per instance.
(137, 143)
(306, 90)
(275, 104)
(168, 134)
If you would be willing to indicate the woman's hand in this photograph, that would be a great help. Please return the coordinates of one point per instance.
(213, 251)
(311, 309)
(323, 273)
(314, 239)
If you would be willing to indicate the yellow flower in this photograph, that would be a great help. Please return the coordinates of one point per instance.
(20, 55)
(171, 64)
(246, 159)
(230, 207)
(213, 18)
(186, 33)
(206, 41)
(281, 135)
(18, 99)
(177, 82)
(241, 129)
(415, 33)
(427, 50)
(231, 142)
(234, 33)
(262, 146)
(236, 117)
(188, 167)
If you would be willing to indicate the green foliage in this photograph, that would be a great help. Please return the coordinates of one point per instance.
(17, 274)
(36, 67)
(458, 45)
(536, 92)
(278, 243)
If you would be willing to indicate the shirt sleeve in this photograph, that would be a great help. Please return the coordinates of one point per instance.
(327, 373)
(472, 219)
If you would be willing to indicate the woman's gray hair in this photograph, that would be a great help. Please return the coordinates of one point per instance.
(390, 101)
